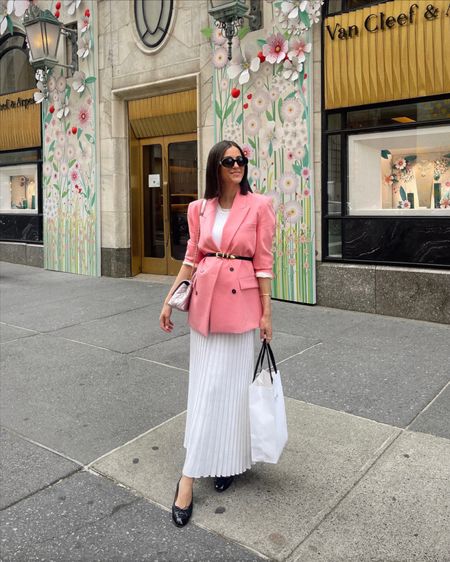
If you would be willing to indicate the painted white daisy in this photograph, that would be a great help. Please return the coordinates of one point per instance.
(260, 101)
(292, 212)
(293, 7)
(61, 84)
(220, 57)
(218, 37)
(252, 124)
(271, 133)
(47, 169)
(58, 154)
(288, 182)
(64, 168)
(290, 110)
(255, 173)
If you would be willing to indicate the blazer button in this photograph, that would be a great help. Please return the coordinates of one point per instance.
(196, 292)
(231, 268)
(233, 291)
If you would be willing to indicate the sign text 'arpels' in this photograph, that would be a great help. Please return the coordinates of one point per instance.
(379, 22)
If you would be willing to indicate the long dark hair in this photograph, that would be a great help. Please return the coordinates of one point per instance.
(212, 170)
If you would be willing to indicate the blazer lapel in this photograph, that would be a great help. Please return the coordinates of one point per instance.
(238, 213)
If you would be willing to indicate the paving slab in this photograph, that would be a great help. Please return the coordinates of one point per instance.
(376, 375)
(88, 518)
(176, 352)
(125, 332)
(83, 401)
(9, 333)
(26, 467)
(315, 322)
(435, 419)
(270, 508)
(398, 512)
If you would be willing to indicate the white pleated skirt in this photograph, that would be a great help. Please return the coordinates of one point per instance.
(217, 437)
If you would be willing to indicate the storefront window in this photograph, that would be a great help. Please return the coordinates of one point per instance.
(18, 189)
(400, 173)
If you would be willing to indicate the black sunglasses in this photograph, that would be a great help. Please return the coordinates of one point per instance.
(228, 162)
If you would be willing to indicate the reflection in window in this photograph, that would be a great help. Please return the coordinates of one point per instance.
(18, 189)
(16, 73)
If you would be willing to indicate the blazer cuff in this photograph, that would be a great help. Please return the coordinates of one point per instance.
(264, 274)
(186, 262)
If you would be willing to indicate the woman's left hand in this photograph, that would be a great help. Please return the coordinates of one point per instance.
(265, 328)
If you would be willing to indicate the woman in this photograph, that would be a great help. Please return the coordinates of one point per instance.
(230, 299)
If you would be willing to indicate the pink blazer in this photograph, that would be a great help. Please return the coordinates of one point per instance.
(226, 297)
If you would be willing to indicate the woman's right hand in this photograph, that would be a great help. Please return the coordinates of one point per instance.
(165, 322)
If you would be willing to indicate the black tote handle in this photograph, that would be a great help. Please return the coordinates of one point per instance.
(265, 348)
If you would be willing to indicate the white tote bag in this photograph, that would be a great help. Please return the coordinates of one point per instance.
(268, 425)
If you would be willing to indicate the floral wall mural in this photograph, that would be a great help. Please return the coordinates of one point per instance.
(69, 178)
(262, 100)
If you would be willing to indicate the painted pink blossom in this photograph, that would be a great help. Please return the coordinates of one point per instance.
(306, 172)
(299, 49)
(290, 155)
(247, 150)
(84, 115)
(74, 176)
(276, 48)
(306, 192)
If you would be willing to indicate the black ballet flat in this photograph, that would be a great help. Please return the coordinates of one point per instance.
(222, 483)
(181, 516)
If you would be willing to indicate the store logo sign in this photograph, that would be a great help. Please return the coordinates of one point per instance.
(379, 22)
(19, 102)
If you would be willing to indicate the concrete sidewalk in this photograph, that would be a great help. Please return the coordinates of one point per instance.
(93, 398)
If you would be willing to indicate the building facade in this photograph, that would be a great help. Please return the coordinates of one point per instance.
(345, 122)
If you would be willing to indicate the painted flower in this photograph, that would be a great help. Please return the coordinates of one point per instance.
(224, 84)
(61, 84)
(84, 46)
(306, 172)
(60, 138)
(255, 173)
(400, 164)
(85, 25)
(39, 96)
(247, 150)
(71, 6)
(74, 175)
(47, 169)
(241, 65)
(445, 202)
(275, 50)
(263, 153)
(299, 152)
(292, 262)
(293, 7)
(292, 69)
(290, 155)
(55, 95)
(306, 192)
(70, 151)
(259, 83)
(84, 115)
(51, 83)
(260, 101)
(65, 109)
(58, 154)
(252, 124)
(290, 110)
(404, 205)
(64, 168)
(218, 37)
(220, 57)
(270, 133)
(79, 81)
(288, 182)
(292, 212)
(299, 48)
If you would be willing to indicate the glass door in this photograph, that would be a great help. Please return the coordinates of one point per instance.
(169, 184)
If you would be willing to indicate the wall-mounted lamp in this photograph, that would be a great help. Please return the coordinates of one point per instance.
(229, 15)
(43, 31)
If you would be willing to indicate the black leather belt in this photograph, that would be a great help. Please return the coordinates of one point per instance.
(227, 256)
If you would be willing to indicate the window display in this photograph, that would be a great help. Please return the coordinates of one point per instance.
(404, 172)
(18, 189)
